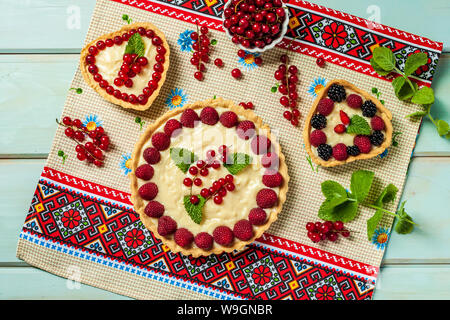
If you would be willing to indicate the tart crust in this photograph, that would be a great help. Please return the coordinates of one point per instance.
(385, 114)
(139, 203)
(90, 80)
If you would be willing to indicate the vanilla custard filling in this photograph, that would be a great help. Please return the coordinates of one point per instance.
(171, 190)
(110, 60)
(334, 118)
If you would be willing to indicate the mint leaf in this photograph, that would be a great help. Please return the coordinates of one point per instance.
(402, 89)
(183, 158)
(373, 222)
(418, 114)
(442, 127)
(240, 162)
(345, 212)
(135, 45)
(378, 69)
(359, 125)
(384, 58)
(360, 184)
(424, 96)
(414, 62)
(388, 195)
(326, 211)
(194, 210)
(404, 222)
(332, 189)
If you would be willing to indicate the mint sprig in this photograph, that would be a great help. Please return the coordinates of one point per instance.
(135, 45)
(239, 161)
(342, 205)
(195, 211)
(384, 63)
(183, 158)
(359, 125)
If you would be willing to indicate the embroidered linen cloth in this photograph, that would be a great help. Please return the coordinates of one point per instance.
(284, 263)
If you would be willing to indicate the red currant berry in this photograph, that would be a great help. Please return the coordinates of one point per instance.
(67, 121)
(194, 36)
(109, 42)
(218, 200)
(194, 200)
(81, 156)
(284, 101)
(332, 236)
(236, 73)
(69, 132)
(338, 226)
(310, 227)
(345, 234)
(142, 61)
(187, 182)
(193, 171)
(296, 113)
(79, 136)
(241, 53)
(222, 192)
(320, 62)
(98, 154)
(198, 75)
(204, 193)
(315, 237)
(218, 62)
(204, 172)
(230, 187)
(198, 182)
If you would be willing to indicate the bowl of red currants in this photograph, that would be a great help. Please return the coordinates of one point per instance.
(255, 25)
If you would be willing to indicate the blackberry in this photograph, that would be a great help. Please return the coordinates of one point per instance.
(369, 109)
(353, 151)
(318, 121)
(337, 93)
(377, 138)
(325, 151)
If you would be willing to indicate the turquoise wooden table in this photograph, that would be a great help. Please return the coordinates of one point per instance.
(39, 50)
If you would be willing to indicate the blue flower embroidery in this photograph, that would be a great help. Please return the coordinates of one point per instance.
(380, 238)
(316, 86)
(176, 99)
(125, 163)
(249, 60)
(185, 41)
(91, 122)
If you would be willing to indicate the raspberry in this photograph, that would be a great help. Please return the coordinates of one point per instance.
(340, 152)
(189, 118)
(209, 116)
(353, 151)
(145, 172)
(148, 191)
(344, 117)
(228, 119)
(172, 127)
(266, 198)
(363, 143)
(243, 230)
(318, 121)
(223, 236)
(257, 216)
(325, 151)
(337, 93)
(204, 241)
(160, 141)
(183, 237)
(354, 101)
(166, 226)
(377, 138)
(272, 179)
(151, 155)
(270, 160)
(261, 144)
(317, 137)
(377, 123)
(325, 106)
(154, 209)
(246, 129)
(369, 109)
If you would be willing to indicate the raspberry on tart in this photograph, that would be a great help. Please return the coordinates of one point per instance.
(346, 124)
(215, 187)
(122, 74)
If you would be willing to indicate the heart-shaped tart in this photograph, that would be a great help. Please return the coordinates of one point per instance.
(208, 178)
(127, 67)
(346, 124)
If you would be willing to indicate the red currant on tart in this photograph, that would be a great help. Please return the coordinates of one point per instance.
(212, 195)
(123, 68)
(346, 124)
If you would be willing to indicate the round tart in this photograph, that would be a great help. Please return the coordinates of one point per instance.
(127, 67)
(346, 124)
(208, 178)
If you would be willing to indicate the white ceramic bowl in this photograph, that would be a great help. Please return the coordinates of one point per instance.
(276, 41)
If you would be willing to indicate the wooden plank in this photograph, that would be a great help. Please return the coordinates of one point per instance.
(28, 124)
(427, 192)
(60, 26)
(31, 283)
(395, 282)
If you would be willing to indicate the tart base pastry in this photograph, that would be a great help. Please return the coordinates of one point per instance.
(382, 112)
(222, 106)
(114, 60)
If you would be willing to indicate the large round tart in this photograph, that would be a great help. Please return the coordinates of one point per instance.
(208, 178)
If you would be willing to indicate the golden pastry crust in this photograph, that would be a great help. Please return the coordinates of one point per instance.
(90, 80)
(139, 203)
(385, 114)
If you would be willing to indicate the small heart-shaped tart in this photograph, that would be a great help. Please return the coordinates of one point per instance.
(346, 124)
(208, 178)
(127, 67)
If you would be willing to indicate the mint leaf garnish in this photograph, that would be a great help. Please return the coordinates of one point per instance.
(405, 223)
(360, 184)
(373, 222)
(384, 59)
(359, 125)
(414, 62)
(338, 209)
(424, 96)
(388, 195)
(240, 162)
(135, 45)
(378, 69)
(332, 189)
(194, 210)
(183, 158)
